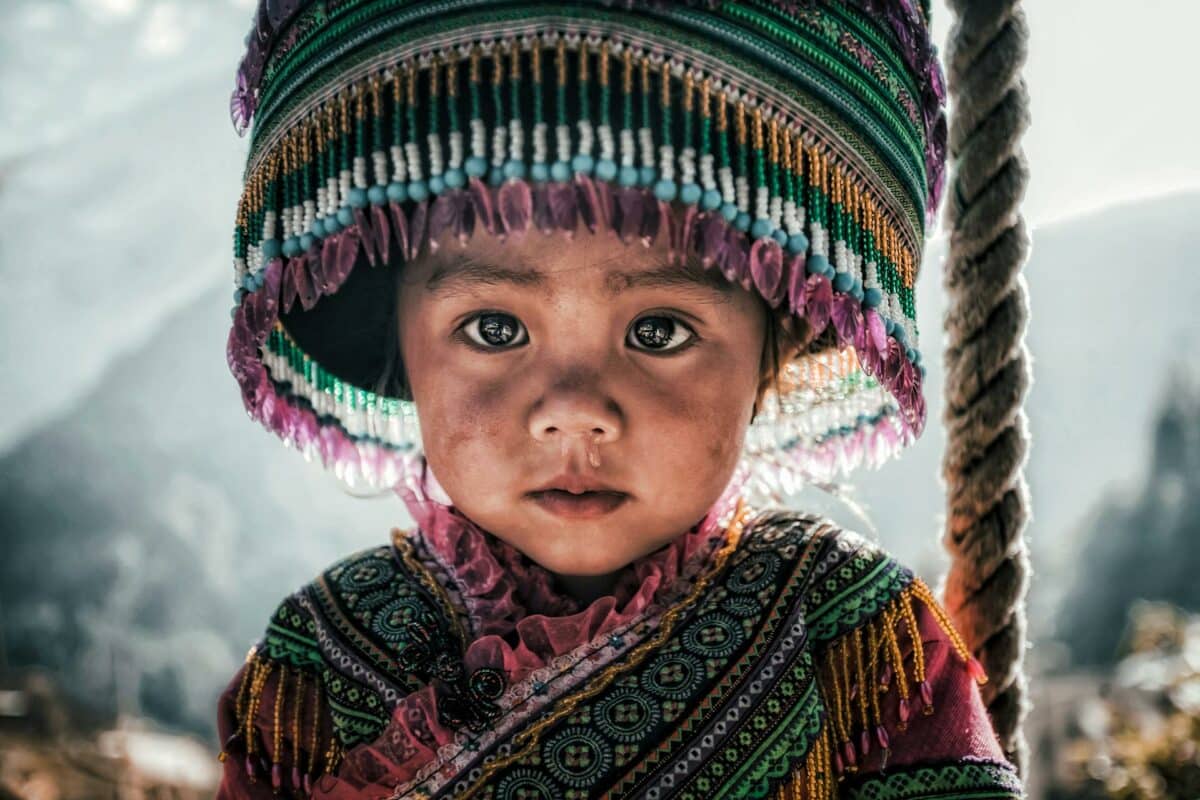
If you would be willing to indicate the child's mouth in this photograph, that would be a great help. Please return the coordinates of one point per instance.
(578, 506)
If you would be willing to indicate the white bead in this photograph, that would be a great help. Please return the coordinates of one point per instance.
(516, 140)
(706, 172)
(607, 145)
(562, 139)
(379, 159)
(646, 140)
(540, 148)
(413, 153)
(727, 185)
(499, 141)
(628, 148)
(456, 149)
(478, 138)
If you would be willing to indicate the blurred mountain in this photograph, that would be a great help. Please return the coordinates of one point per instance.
(150, 530)
(1143, 544)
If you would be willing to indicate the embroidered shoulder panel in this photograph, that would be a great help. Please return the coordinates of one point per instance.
(852, 583)
(982, 780)
(370, 631)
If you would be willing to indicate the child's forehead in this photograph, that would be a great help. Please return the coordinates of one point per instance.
(545, 263)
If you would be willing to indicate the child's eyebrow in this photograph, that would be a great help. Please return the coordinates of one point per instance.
(463, 271)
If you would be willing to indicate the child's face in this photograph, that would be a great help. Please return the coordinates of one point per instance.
(510, 348)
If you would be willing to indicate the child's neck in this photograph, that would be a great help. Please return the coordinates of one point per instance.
(586, 588)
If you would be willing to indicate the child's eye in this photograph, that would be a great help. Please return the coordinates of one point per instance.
(494, 330)
(659, 334)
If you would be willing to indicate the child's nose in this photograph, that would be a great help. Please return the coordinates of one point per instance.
(573, 413)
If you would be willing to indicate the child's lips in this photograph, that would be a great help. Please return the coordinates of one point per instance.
(585, 505)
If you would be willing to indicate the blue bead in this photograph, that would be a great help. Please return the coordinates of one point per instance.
(397, 192)
(760, 227)
(780, 235)
(901, 334)
(437, 184)
(495, 176)
(690, 193)
(729, 212)
(606, 169)
(318, 228)
(665, 190)
(816, 264)
(377, 195)
(514, 169)
(647, 176)
(628, 176)
(270, 249)
(917, 356)
(889, 326)
(922, 368)
(842, 281)
(418, 190)
(583, 163)
(291, 246)
(540, 171)
(742, 221)
(711, 200)
(829, 271)
(872, 297)
(345, 217)
(910, 354)
(560, 171)
(455, 178)
(476, 166)
(233, 312)
(238, 294)
(332, 225)
(797, 243)
(307, 240)
(856, 290)
(247, 282)
(357, 198)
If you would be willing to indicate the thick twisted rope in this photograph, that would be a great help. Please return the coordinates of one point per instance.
(987, 365)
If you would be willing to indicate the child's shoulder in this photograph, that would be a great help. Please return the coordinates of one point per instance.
(845, 578)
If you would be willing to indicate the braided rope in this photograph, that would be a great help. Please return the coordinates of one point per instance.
(987, 364)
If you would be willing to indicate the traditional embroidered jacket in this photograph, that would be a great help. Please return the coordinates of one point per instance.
(772, 658)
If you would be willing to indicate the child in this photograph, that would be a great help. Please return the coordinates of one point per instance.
(616, 349)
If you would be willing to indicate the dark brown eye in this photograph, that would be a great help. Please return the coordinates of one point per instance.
(659, 333)
(495, 330)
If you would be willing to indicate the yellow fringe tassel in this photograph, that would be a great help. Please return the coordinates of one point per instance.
(298, 694)
(855, 670)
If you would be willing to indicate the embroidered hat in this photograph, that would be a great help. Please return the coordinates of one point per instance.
(797, 147)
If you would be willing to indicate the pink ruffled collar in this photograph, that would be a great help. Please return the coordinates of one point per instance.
(517, 622)
(515, 614)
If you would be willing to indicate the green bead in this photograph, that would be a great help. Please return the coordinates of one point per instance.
(584, 163)
(418, 190)
(476, 166)
(606, 169)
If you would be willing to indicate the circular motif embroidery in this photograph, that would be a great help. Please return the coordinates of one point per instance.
(527, 784)
(365, 573)
(626, 715)
(714, 636)
(754, 573)
(674, 676)
(391, 620)
(576, 756)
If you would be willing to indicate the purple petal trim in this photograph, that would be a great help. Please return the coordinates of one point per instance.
(416, 229)
(766, 269)
(366, 234)
(400, 226)
(515, 203)
(383, 233)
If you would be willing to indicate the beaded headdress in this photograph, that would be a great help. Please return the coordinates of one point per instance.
(797, 147)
